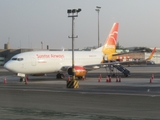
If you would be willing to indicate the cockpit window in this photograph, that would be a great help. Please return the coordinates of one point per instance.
(18, 59)
(14, 58)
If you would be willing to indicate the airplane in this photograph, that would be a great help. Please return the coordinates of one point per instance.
(43, 62)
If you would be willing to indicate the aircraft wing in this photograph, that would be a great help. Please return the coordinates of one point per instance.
(101, 65)
(105, 64)
(96, 66)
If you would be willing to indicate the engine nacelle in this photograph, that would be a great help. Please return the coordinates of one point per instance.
(79, 71)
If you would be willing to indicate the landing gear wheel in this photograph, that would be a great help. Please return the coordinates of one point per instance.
(125, 75)
(22, 80)
(80, 77)
(60, 76)
(113, 75)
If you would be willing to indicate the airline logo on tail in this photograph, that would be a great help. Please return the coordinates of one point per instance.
(109, 47)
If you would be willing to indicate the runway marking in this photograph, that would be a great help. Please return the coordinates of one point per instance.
(83, 92)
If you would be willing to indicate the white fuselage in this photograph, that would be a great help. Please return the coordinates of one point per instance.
(50, 61)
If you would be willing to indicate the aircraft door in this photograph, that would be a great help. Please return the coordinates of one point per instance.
(33, 61)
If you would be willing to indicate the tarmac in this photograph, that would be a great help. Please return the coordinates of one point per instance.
(46, 98)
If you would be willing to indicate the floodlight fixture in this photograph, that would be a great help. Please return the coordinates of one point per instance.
(79, 10)
(74, 11)
(98, 7)
(69, 11)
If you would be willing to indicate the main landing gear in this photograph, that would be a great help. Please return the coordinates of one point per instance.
(60, 76)
(22, 79)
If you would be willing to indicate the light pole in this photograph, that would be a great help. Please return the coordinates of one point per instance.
(98, 9)
(73, 13)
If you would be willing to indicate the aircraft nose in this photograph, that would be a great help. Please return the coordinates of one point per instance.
(8, 66)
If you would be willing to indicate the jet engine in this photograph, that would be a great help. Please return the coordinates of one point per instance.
(80, 71)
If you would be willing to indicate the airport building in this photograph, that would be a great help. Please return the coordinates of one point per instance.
(2, 60)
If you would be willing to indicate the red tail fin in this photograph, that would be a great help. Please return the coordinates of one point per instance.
(110, 44)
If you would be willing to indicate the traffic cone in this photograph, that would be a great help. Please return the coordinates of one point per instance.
(150, 80)
(120, 79)
(100, 76)
(5, 81)
(26, 81)
(117, 79)
(107, 79)
(99, 80)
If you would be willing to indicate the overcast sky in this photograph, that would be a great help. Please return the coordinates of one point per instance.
(25, 23)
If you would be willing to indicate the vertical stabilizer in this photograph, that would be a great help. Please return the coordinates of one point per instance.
(109, 47)
(110, 44)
